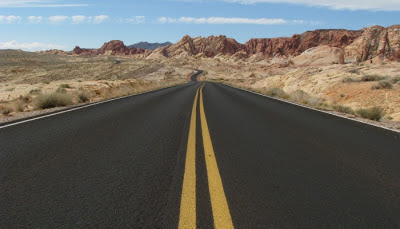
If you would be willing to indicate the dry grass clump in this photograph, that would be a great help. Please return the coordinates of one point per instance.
(395, 79)
(343, 109)
(65, 86)
(384, 84)
(34, 91)
(55, 99)
(272, 92)
(368, 78)
(303, 97)
(276, 92)
(19, 105)
(7, 110)
(354, 71)
(350, 80)
(374, 113)
(84, 96)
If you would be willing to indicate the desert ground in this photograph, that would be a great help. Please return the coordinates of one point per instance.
(26, 78)
(341, 88)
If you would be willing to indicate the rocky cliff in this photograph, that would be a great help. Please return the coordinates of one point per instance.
(375, 42)
(114, 47)
(205, 46)
(359, 45)
(297, 44)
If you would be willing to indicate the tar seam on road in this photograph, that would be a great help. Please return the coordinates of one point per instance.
(310, 108)
(219, 204)
(187, 216)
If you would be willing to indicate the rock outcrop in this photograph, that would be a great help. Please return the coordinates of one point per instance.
(321, 55)
(205, 46)
(297, 44)
(360, 45)
(375, 42)
(114, 47)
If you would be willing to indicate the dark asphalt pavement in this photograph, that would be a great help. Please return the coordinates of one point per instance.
(121, 165)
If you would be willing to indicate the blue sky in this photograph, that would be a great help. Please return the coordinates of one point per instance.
(44, 24)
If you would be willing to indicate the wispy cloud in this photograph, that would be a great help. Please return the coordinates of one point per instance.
(99, 19)
(77, 19)
(34, 46)
(35, 19)
(10, 19)
(228, 20)
(57, 18)
(135, 20)
(35, 3)
(384, 5)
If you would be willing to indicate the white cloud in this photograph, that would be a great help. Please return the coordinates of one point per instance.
(57, 19)
(10, 19)
(34, 46)
(77, 19)
(99, 19)
(136, 20)
(35, 3)
(385, 5)
(35, 19)
(226, 20)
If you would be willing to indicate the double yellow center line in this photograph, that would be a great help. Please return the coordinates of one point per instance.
(220, 209)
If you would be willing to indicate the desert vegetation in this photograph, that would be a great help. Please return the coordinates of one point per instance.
(33, 82)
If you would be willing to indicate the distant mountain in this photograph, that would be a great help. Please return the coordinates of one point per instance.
(147, 45)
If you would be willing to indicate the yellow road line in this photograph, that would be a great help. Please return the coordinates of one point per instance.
(219, 204)
(187, 217)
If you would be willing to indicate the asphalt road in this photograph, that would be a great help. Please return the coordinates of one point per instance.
(198, 156)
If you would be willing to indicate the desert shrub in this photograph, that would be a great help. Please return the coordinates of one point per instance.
(382, 85)
(65, 86)
(34, 91)
(55, 99)
(84, 96)
(19, 105)
(46, 81)
(61, 90)
(303, 97)
(349, 80)
(276, 92)
(395, 79)
(354, 71)
(7, 110)
(343, 109)
(367, 78)
(10, 89)
(374, 113)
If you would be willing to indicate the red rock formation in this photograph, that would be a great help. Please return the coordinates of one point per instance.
(207, 46)
(79, 51)
(295, 45)
(114, 47)
(359, 45)
(375, 42)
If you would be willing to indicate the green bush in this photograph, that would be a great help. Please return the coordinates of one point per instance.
(374, 113)
(382, 85)
(55, 99)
